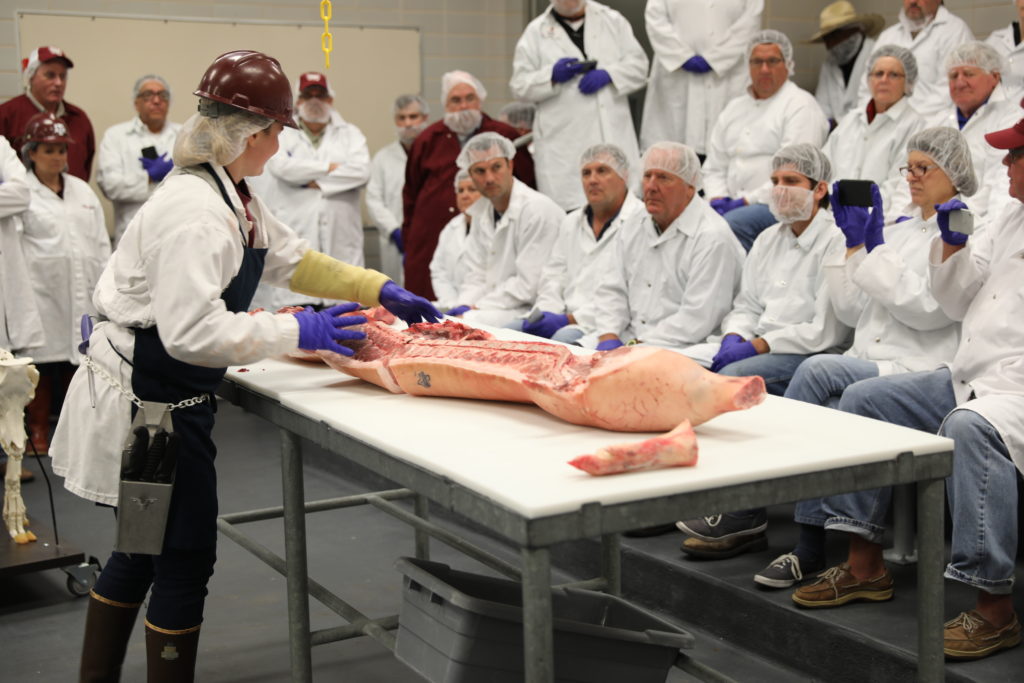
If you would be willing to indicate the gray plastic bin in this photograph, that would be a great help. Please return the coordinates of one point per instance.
(457, 627)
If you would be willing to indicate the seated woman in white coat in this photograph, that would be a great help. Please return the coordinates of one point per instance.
(448, 266)
(66, 246)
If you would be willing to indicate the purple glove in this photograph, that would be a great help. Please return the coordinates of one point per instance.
(854, 220)
(733, 349)
(406, 305)
(609, 344)
(157, 168)
(696, 64)
(546, 324)
(458, 310)
(950, 237)
(396, 239)
(320, 329)
(901, 219)
(724, 205)
(873, 231)
(564, 69)
(594, 80)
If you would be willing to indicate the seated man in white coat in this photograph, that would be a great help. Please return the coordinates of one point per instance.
(672, 278)
(313, 182)
(448, 266)
(578, 62)
(387, 178)
(586, 239)
(850, 39)
(773, 113)
(514, 230)
(135, 155)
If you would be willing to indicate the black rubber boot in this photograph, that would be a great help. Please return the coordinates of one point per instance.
(108, 626)
(171, 656)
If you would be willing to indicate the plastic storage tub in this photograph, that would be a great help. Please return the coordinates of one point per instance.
(457, 627)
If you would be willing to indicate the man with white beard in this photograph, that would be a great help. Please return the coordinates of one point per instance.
(313, 182)
(429, 194)
(387, 178)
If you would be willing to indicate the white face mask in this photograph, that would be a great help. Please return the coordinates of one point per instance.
(406, 134)
(845, 51)
(315, 111)
(791, 204)
(463, 122)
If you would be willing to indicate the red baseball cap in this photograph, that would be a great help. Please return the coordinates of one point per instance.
(1008, 138)
(312, 79)
(41, 55)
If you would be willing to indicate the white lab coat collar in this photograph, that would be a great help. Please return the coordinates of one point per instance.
(784, 87)
(139, 128)
(996, 100)
(941, 17)
(819, 229)
(484, 209)
(229, 186)
(687, 223)
(895, 112)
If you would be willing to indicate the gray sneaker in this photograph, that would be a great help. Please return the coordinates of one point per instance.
(783, 572)
(725, 526)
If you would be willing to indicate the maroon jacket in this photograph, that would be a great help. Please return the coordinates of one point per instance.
(429, 194)
(14, 116)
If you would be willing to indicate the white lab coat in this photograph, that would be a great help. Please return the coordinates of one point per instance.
(670, 289)
(682, 106)
(154, 278)
(885, 297)
(567, 121)
(384, 204)
(836, 96)
(504, 258)
(328, 216)
(448, 265)
(120, 174)
(1013, 78)
(579, 260)
(930, 47)
(20, 326)
(66, 247)
(980, 285)
(749, 132)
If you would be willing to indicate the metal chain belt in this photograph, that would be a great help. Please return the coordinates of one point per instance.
(128, 394)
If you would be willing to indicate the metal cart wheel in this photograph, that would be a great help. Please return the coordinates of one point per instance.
(82, 578)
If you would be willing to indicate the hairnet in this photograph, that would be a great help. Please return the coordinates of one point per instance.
(519, 114)
(806, 159)
(675, 158)
(219, 139)
(779, 38)
(905, 57)
(484, 147)
(611, 155)
(460, 175)
(453, 78)
(975, 53)
(137, 88)
(948, 148)
(403, 101)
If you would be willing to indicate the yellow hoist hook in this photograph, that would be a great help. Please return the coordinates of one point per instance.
(326, 40)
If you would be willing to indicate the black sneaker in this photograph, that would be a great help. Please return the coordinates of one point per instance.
(725, 526)
(784, 571)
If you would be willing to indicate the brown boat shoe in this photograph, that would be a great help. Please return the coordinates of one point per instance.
(970, 636)
(837, 586)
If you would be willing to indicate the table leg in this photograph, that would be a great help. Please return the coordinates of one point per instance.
(295, 557)
(611, 563)
(422, 506)
(538, 639)
(931, 513)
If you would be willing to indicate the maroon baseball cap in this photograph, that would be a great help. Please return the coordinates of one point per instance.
(313, 79)
(41, 55)
(1008, 138)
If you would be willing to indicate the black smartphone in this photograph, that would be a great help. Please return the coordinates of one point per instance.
(149, 152)
(590, 65)
(855, 192)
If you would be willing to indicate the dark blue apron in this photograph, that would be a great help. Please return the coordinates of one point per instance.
(156, 376)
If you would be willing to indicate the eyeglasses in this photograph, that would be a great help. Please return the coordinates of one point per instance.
(773, 62)
(150, 94)
(893, 75)
(917, 170)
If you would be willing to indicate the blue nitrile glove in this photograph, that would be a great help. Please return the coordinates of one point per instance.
(950, 237)
(852, 220)
(564, 69)
(594, 80)
(406, 305)
(724, 205)
(396, 239)
(609, 344)
(547, 325)
(901, 219)
(321, 329)
(457, 311)
(696, 64)
(873, 231)
(733, 348)
(157, 168)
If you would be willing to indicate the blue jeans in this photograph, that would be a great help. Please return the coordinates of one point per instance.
(775, 368)
(747, 222)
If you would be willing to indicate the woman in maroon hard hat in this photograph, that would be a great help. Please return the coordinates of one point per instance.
(173, 304)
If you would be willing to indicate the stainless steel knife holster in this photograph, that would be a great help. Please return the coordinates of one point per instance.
(142, 506)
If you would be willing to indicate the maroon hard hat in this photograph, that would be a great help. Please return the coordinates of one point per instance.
(45, 127)
(251, 81)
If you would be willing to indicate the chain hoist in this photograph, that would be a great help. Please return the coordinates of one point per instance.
(326, 40)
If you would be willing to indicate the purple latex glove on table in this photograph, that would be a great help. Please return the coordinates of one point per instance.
(157, 168)
(546, 324)
(724, 205)
(950, 237)
(696, 64)
(322, 330)
(564, 69)
(594, 80)
(733, 349)
(609, 344)
(406, 305)
(457, 311)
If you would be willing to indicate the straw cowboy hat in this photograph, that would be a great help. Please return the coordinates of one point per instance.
(841, 15)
